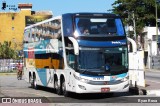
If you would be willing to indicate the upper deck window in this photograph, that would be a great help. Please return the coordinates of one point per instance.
(98, 26)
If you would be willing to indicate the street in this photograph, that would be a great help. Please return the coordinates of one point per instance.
(152, 76)
(11, 87)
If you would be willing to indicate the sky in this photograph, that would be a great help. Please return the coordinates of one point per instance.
(59, 7)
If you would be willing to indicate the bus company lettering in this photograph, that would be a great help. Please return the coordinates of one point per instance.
(118, 42)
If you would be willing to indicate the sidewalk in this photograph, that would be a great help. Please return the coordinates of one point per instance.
(8, 74)
(152, 89)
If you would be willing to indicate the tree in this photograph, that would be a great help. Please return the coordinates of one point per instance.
(144, 11)
(6, 51)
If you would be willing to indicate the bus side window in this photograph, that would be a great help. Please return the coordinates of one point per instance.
(70, 53)
(71, 58)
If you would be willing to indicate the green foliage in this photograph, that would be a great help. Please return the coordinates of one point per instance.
(7, 52)
(144, 11)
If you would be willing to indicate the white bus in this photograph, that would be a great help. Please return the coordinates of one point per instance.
(77, 52)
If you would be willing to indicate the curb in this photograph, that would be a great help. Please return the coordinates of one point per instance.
(8, 73)
(138, 91)
(152, 70)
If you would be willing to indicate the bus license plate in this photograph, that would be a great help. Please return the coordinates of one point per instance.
(105, 89)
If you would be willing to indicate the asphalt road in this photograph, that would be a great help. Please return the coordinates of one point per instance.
(153, 76)
(11, 87)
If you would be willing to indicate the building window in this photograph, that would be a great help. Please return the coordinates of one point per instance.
(12, 28)
(12, 17)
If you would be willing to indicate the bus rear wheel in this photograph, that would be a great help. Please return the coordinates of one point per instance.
(35, 86)
(31, 82)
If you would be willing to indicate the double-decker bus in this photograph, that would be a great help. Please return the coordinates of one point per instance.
(77, 52)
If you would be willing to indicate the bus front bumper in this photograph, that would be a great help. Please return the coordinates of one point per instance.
(82, 87)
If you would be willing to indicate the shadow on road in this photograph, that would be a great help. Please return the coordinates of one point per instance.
(89, 96)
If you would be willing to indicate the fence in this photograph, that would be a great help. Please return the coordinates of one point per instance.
(156, 62)
(8, 65)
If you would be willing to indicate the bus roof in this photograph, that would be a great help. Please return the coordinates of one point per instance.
(39, 23)
(92, 14)
(75, 14)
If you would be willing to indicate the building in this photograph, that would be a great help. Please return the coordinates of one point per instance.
(150, 35)
(12, 24)
(152, 47)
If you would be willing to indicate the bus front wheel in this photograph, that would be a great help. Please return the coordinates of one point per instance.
(57, 87)
(65, 92)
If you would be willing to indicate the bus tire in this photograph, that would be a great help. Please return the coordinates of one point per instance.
(57, 88)
(35, 86)
(31, 81)
(64, 91)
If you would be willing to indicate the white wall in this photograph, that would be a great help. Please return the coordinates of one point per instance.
(150, 32)
(136, 66)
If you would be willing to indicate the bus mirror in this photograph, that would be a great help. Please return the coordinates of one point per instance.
(75, 45)
(134, 45)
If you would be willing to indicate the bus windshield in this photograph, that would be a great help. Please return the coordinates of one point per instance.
(103, 60)
(98, 26)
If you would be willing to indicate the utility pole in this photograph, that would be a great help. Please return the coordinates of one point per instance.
(156, 21)
(134, 26)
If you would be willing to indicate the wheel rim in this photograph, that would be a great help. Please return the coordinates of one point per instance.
(63, 87)
(31, 82)
(56, 85)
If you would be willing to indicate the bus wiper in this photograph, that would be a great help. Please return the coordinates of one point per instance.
(104, 74)
(83, 71)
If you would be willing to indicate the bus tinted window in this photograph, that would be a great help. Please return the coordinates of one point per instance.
(98, 26)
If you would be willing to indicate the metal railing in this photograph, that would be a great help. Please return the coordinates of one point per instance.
(8, 65)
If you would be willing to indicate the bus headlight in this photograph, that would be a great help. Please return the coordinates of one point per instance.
(81, 79)
(125, 79)
(82, 87)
